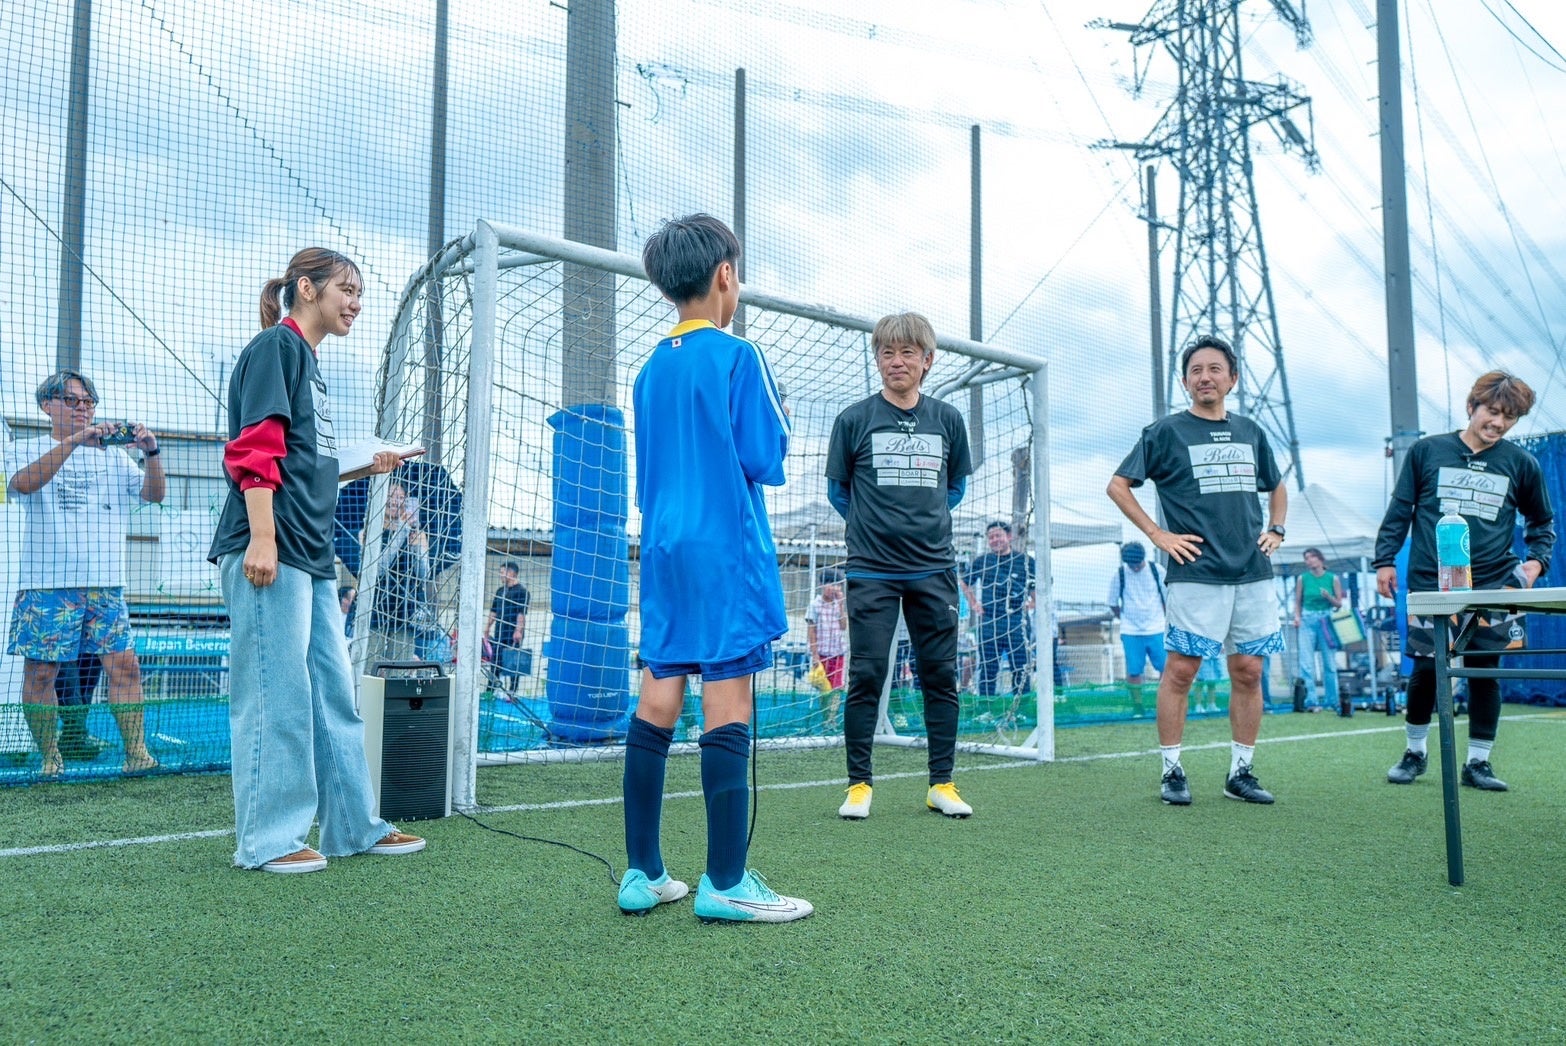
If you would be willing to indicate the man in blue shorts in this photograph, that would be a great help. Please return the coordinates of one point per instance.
(78, 492)
(710, 432)
(1136, 598)
(1208, 465)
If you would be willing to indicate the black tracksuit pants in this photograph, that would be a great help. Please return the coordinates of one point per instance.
(929, 606)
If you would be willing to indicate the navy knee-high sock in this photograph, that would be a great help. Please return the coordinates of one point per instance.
(646, 755)
(725, 756)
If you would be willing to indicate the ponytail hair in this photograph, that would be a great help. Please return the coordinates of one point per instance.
(316, 264)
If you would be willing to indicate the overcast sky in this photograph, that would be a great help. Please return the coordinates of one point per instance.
(225, 136)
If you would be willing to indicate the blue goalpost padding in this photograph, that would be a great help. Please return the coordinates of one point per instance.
(589, 580)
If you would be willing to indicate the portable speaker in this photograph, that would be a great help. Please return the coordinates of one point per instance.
(407, 742)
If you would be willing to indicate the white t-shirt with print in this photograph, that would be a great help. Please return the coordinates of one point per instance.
(77, 522)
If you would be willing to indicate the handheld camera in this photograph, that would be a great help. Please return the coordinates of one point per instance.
(121, 434)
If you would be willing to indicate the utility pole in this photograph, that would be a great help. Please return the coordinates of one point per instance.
(73, 219)
(589, 296)
(1221, 281)
(1402, 377)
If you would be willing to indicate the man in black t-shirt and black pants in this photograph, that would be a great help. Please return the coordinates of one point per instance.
(897, 463)
(507, 620)
(1208, 465)
(1004, 579)
(1489, 481)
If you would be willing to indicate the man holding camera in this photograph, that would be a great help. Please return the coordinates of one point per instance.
(78, 488)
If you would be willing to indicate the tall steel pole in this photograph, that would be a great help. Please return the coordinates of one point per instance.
(589, 303)
(1402, 376)
(976, 297)
(1154, 297)
(73, 220)
(739, 189)
(434, 328)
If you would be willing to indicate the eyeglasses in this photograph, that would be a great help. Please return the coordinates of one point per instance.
(77, 401)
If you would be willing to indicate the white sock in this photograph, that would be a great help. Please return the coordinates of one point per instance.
(1240, 755)
(1171, 754)
(1416, 738)
(1479, 751)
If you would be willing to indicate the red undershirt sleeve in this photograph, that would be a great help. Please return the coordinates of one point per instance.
(251, 458)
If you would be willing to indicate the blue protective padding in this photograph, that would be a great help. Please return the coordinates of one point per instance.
(589, 681)
(589, 579)
(1545, 631)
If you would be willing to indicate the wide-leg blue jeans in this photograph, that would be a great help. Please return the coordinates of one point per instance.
(296, 736)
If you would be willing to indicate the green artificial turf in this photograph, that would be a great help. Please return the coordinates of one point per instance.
(1072, 906)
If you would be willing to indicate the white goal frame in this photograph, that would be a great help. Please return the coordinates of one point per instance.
(480, 257)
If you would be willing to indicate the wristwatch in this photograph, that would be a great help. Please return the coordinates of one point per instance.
(1277, 528)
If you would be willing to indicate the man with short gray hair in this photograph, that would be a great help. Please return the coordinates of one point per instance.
(78, 488)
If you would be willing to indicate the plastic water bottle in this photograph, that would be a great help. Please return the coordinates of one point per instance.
(1452, 562)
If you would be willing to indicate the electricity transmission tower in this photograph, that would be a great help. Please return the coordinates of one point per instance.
(1221, 281)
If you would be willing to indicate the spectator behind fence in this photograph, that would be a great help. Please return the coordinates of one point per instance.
(507, 624)
(74, 685)
(78, 488)
(1136, 598)
(297, 739)
(897, 464)
(1317, 593)
(347, 596)
(402, 616)
(1004, 581)
(826, 630)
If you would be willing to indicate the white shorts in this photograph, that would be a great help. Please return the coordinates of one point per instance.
(1210, 620)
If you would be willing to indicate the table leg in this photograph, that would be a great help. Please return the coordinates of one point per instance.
(1443, 685)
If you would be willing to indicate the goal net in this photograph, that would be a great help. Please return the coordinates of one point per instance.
(512, 361)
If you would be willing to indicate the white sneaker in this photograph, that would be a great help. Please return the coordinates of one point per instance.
(943, 798)
(857, 806)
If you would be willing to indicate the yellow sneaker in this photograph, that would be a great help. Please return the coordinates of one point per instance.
(857, 806)
(943, 798)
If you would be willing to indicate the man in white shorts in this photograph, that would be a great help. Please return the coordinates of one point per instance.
(1208, 465)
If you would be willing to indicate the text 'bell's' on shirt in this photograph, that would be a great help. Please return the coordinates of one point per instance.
(77, 522)
(898, 466)
(1208, 474)
(710, 432)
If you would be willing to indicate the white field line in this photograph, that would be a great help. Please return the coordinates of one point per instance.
(574, 804)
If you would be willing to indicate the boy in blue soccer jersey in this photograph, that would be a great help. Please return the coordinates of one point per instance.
(710, 431)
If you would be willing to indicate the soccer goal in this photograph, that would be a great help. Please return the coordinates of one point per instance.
(511, 360)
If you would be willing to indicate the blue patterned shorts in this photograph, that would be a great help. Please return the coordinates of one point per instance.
(58, 624)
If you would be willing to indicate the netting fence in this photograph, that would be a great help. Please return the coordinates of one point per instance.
(160, 159)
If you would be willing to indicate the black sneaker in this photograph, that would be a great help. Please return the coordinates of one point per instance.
(1477, 774)
(1242, 784)
(1175, 791)
(1409, 767)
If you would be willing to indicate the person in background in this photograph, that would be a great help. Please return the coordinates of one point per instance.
(507, 623)
(296, 736)
(1317, 594)
(78, 488)
(998, 585)
(347, 596)
(1136, 598)
(826, 631)
(1488, 480)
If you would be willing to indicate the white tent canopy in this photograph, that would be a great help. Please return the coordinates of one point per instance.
(1319, 519)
